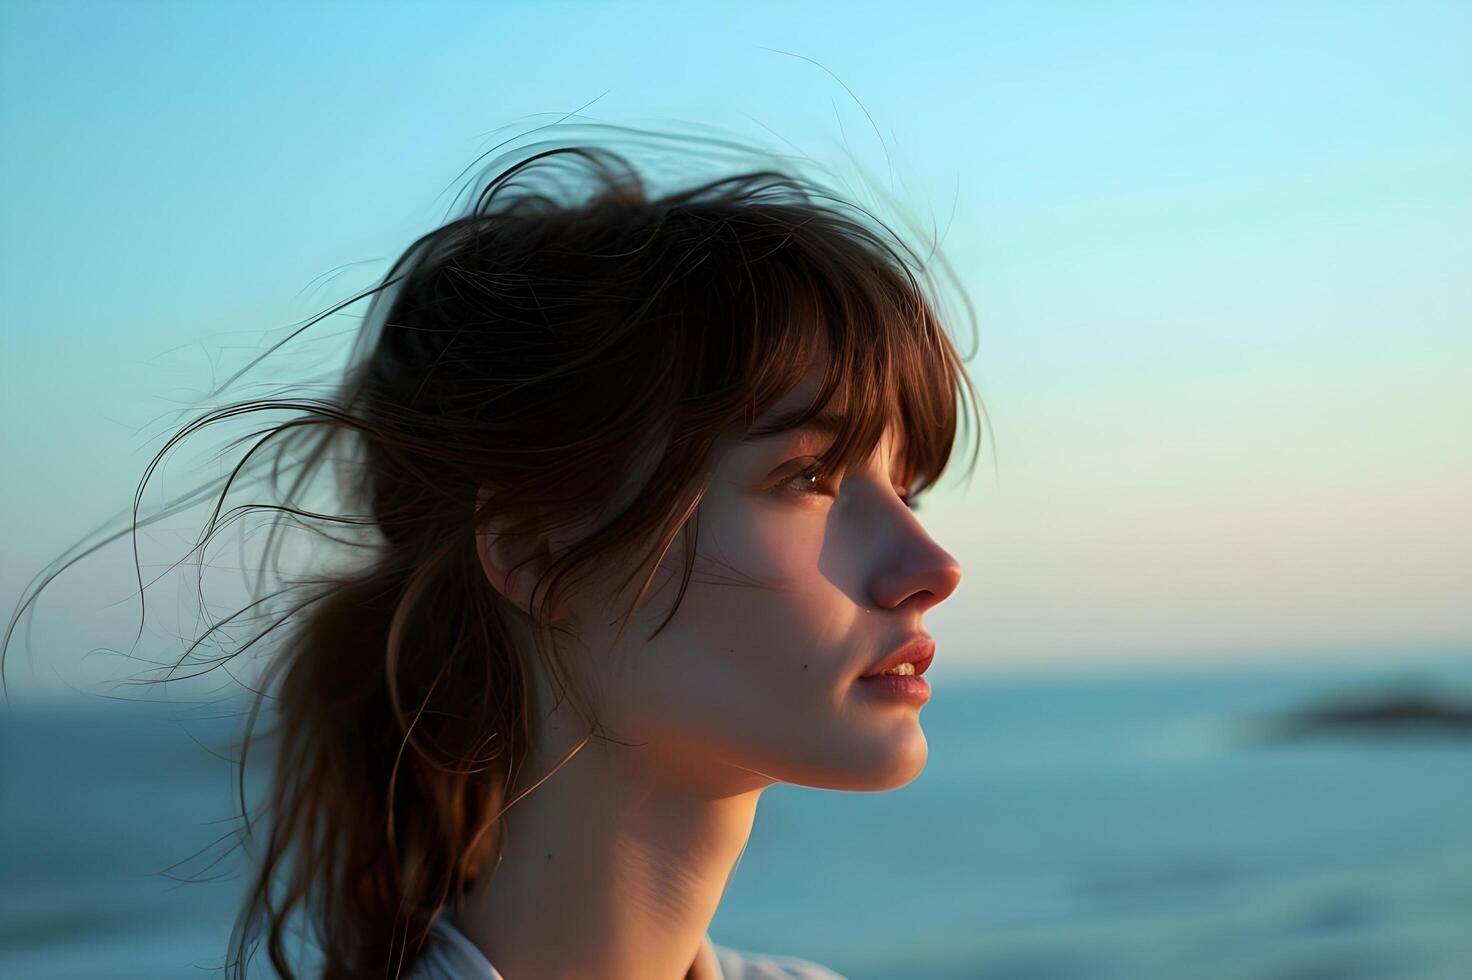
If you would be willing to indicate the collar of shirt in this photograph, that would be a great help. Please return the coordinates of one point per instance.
(450, 955)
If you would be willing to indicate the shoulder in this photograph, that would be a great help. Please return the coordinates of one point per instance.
(737, 965)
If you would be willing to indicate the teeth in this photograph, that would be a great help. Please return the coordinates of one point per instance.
(902, 669)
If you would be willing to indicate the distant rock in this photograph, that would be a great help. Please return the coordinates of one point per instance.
(1375, 714)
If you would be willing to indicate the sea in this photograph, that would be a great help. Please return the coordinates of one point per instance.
(1070, 823)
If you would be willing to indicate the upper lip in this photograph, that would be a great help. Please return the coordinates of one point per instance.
(918, 650)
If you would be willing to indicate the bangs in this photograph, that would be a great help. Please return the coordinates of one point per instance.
(847, 310)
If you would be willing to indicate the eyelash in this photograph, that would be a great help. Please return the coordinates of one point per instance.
(812, 471)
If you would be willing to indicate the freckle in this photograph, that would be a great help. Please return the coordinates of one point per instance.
(549, 857)
(804, 666)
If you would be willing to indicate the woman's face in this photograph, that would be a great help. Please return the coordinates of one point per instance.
(798, 589)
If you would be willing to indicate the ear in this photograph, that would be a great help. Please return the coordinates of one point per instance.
(512, 564)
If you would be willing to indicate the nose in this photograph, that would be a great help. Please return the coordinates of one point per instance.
(919, 572)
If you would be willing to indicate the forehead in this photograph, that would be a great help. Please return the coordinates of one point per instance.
(781, 415)
(828, 422)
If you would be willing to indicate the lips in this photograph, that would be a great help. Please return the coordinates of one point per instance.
(919, 650)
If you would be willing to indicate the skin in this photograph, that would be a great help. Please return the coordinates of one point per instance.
(615, 865)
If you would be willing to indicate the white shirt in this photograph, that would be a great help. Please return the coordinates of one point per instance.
(449, 955)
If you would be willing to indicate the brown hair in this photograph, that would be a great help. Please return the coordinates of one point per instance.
(511, 364)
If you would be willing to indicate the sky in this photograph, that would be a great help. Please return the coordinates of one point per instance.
(1218, 256)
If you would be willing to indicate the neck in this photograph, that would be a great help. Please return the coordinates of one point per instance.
(615, 865)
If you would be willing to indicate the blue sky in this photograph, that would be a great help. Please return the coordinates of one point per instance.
(1218, 255)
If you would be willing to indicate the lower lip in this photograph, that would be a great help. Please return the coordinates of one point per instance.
(903, 687)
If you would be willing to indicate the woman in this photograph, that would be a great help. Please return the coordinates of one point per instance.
(635, 479)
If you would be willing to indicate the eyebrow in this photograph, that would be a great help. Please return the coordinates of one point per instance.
(827, 421)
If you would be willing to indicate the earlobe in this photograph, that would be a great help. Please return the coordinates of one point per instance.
(512, 563)
(511, 573)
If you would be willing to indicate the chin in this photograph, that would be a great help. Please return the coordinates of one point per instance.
(871, 771)
(909, 766)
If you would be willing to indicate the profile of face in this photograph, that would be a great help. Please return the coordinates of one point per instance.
(798, 589)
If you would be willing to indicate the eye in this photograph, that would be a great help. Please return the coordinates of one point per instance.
(807, 483)
(810, 483)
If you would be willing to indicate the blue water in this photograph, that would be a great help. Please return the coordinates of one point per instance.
(1105, 826)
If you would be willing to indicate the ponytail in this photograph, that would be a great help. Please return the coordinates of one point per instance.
(379, 814)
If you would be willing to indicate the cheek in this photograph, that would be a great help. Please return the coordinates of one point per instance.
(761, 641)
(754, 669)
(761, 595)
(777, 544)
